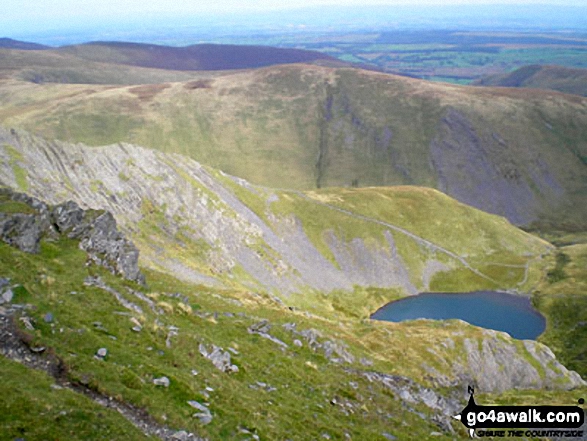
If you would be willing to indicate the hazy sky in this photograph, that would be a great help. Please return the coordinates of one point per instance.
(23, 10)
(23, 18)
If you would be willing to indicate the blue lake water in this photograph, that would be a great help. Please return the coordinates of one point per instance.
(487, 309)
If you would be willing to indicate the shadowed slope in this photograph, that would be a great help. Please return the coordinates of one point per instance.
(196, 57)
(559, 78)
(54, 66)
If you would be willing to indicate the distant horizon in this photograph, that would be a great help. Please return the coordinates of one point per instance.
(58, 26)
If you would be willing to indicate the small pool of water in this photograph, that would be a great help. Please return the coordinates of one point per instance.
(487, 309)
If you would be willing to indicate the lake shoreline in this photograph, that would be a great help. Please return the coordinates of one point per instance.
(497, 310)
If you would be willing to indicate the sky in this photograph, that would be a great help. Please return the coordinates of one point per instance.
(22, 18)
(23, 10)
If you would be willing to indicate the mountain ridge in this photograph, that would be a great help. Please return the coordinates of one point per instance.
(520, 153)
(130, 347)
(199, 57)
(279, 241)
(248, 314)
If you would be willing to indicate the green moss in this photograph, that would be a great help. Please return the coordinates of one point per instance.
(15, 207)
(20, 174)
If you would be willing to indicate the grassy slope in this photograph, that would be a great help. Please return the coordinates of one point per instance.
(430, 215)
(305, 381)
(332, 127)
(429, 229)
(562, 297)
(508, 257)
(135, 358)
(495, 248)
(30, 408)
(559, 78)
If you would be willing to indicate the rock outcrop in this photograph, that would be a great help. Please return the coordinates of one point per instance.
(30, 220)
(219, 358)
(498, 363)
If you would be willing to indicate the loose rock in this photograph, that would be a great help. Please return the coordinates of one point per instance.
(219, 358)
(6, 293)
(163, 381)
(204, 414)
(27, 323)
(262, 327)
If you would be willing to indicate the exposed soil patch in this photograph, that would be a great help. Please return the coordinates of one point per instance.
(148, 91)
(198, 84)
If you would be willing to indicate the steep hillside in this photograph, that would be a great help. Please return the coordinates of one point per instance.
(207, 227)
(562, 296)
(559, 78)
(89, 355)
(195, 57)
(517, 153)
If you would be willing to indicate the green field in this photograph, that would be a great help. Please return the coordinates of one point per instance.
(445, 56)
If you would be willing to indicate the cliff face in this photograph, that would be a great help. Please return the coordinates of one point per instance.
(207, 227)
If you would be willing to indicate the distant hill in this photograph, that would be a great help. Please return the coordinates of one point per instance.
(54, 66)
(196, 57)
(9, 43)
(520, 153)
(559, 78)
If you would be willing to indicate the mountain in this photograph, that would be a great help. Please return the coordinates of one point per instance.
(196, 57)
(51, 66)
(146, 295)
(248, 301)
(9, 43)
(207, 227)
(559, 78)
(518, 153)
(136, 63)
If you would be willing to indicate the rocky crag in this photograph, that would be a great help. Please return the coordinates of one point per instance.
(96, 231)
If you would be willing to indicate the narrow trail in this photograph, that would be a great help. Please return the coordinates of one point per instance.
(415, 237)
(14, 348)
